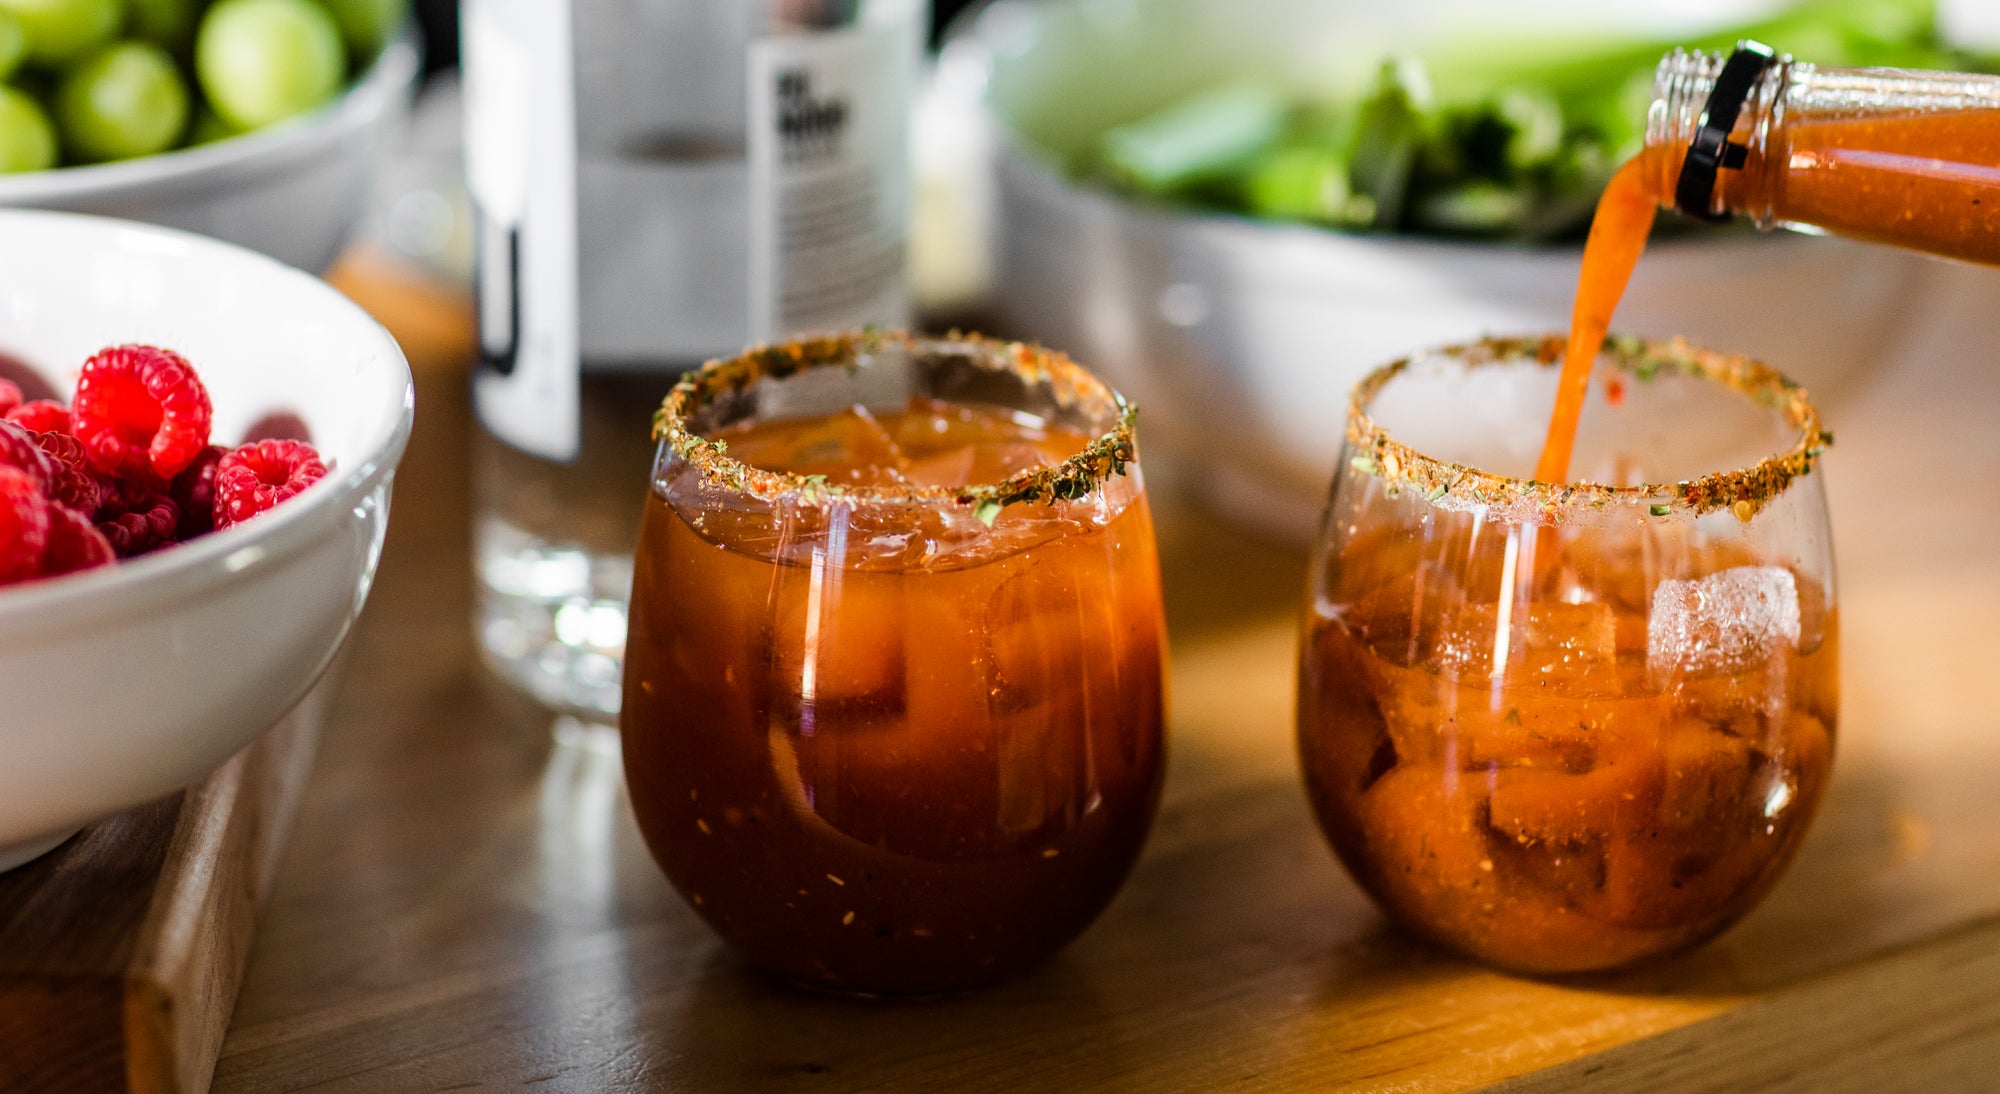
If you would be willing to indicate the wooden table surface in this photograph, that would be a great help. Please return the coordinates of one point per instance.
(466, 905)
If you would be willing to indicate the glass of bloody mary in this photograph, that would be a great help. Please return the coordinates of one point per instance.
(1570, 726)
(894, 687)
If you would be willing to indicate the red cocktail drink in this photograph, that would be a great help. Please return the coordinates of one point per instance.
(894, 686)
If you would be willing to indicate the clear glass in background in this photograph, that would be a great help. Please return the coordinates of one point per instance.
(654, 182)
(552, 547)
(896, 738)
(1564, 728)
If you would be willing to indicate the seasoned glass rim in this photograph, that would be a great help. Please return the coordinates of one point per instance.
(1744, 491)
(1106, 455)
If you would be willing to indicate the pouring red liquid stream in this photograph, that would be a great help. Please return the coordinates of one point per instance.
(1903, 158)
(1431, 780)
(1617, 235)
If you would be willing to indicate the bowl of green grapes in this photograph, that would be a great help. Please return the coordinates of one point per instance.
(259, 122)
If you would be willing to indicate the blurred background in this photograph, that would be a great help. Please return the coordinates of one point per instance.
(1231, 210)
(440, 23)
(1234, 209)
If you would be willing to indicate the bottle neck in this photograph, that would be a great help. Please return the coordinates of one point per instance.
(1683, 87)
(1893, 156)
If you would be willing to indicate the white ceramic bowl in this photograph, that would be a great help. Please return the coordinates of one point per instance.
(1239, 339)
(124, 683)
(294, 191)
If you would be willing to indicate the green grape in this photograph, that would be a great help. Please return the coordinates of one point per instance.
(61, 31)
(123, 102)
(13, 44)
(367, 24)
(261, 61)
(209, 127)
(27, 140)
(168, 23)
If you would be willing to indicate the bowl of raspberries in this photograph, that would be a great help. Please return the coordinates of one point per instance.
(197, 446)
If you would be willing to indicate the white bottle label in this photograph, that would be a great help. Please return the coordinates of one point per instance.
(588, 250)
(828, 147)
(520, 161)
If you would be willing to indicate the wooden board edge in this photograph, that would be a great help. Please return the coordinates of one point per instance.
(1925, 1017)
(180, 987)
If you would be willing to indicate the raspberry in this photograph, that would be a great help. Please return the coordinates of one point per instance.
(24, 525)
(140, 409)
(74, 543)
(110, 496)
(194, 492)
(136, 517)
(19, 449)
(258, 476)
(42, 416)
(72, 484)
(10, 396)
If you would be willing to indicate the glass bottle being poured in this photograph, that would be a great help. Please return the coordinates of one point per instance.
(1890, 156)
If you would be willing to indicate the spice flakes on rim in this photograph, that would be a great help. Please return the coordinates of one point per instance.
(1107, 455)
(1744, 491)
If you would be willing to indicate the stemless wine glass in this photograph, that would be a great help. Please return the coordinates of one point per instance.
(894, 687)
(1569, 727)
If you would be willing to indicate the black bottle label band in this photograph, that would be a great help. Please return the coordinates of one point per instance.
(496, 291)
(1711, 149)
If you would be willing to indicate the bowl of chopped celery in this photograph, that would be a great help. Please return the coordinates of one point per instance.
(1233, 210)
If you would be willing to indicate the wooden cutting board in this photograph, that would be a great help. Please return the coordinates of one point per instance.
(121, 950)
